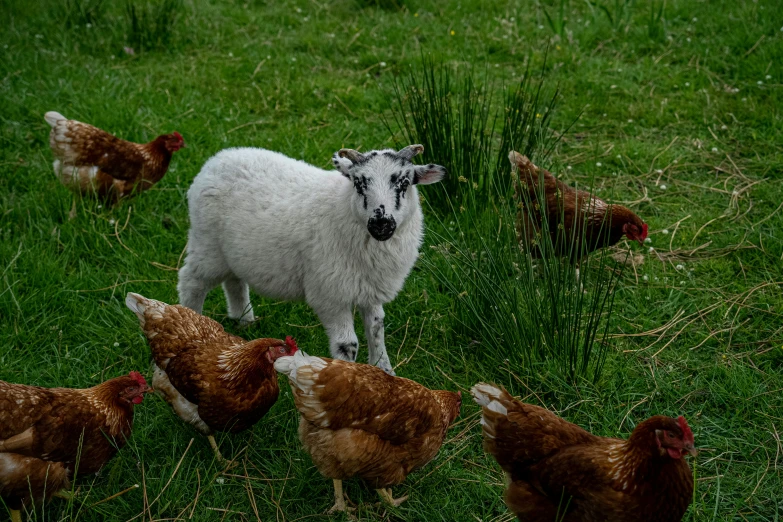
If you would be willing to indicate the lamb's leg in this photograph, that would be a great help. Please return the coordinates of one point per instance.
(238, 300)
(372, 316)
(338, 322)
(192, 288)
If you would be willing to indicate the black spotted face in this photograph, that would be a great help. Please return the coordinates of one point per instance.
(383, 196)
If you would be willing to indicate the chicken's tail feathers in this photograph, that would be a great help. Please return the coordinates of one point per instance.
(143, 307)
(52, 117)
(300, 368)
(492, 398)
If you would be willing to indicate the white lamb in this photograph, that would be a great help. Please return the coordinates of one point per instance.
(290, 231)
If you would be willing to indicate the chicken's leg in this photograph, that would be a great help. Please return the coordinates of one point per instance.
(218, 455)
(386, 496)
(72, 213)
(16, 515)
(339, 499)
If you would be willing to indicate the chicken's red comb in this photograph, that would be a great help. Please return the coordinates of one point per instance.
(291, 342)
(178, 136)
(644, 230)
(687, 434)
(139, 378)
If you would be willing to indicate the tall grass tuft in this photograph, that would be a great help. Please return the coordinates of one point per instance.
(557, 22)
(81, 12)
(151, 23)
(532, 314)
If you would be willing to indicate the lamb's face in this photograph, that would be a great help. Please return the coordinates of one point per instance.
(383, 185)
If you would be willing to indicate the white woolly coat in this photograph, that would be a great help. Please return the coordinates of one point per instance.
(288, 229)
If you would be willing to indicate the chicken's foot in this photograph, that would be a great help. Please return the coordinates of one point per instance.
(386, 496)
(72, 213)
(64, 494)
(16, 515)
(339, 499)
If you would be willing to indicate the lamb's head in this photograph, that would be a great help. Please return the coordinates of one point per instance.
(384, 195)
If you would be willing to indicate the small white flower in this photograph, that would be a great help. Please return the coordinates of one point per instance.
(687, 84)
(665, 231)
(650, 250)
(100, 206)
(116, 345)
(568, 167)
(662, 186)
(382, 64)
(656, 278)
(619, 156)
(39, 36)
(220, 480)
(682, 283)
(541, 27)
(597, 163)
(630, 120)
(88, 26)
(759, 82)
(645, 278)
(648, 240)
(744, 99)
(230, 55)
(695, 19)
(688, 39)
(604, 115)
(658, 171)
(723, 127)
(768, 77)
(680, 267)
(298, 10)
(714, 149)
(111, 221)
(268, 57)
(619, 70)
(293, 58)
(612, 86)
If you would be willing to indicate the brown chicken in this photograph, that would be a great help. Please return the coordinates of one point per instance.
(570, 213)
(90, 160)
(215, 381)
(358, 421)
(25, 480)
(59, 424)
(555, 470)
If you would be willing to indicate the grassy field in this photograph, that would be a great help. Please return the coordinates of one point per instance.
(677, 114)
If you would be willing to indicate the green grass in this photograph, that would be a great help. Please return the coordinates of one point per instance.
(671, 100)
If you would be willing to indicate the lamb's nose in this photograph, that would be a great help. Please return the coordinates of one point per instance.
(381, 226)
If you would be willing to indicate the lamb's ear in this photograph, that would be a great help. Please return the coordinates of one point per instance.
(344, 159)
(410, 151)
(427, 174)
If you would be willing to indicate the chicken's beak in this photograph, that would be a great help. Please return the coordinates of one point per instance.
(690, 449)
(149, 390)
(641, 241)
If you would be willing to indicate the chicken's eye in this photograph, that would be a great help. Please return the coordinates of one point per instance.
(670, 434)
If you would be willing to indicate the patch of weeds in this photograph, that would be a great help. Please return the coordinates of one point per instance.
(655, 27)
(618, 12)
(76, 13)
(557, 22)
(151, 23)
